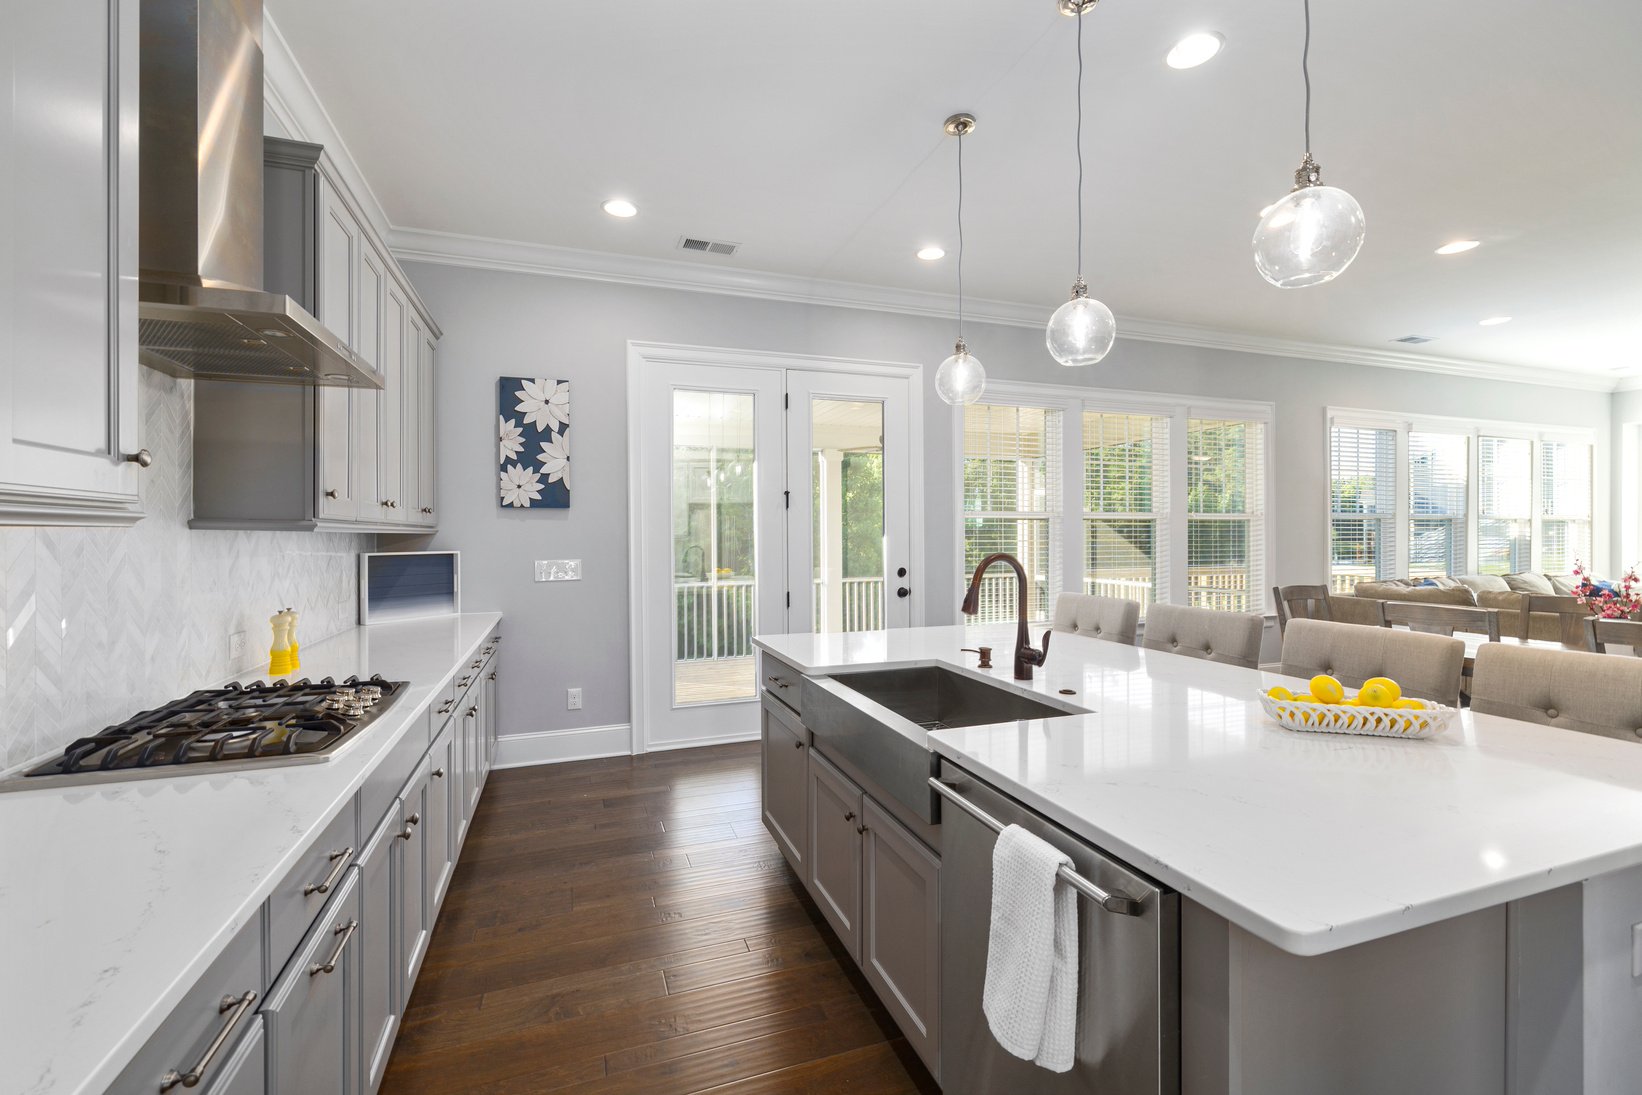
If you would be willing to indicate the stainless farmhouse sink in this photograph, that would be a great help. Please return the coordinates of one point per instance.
(880, 720)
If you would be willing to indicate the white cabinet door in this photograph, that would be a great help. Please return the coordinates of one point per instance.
(410, 396)
(340, 479)
(390, 403)
(424, 431)
(415, 923)
(436, 824)
(68, 263)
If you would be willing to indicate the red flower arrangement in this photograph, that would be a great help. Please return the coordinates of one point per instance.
(1608, 600)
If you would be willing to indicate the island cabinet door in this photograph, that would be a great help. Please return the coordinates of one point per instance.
(786, 781)
(313, 1013)
(901, 930)
(836, 828)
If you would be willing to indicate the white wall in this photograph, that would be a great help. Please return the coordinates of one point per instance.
(575, 634)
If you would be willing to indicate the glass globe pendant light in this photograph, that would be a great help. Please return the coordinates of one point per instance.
(960, 378)
(1311, 234)
(1081, 330)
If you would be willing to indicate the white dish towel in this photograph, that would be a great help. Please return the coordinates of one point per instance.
(1031, 994)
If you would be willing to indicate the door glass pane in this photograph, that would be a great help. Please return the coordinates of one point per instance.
(847, 507)
(714, 602)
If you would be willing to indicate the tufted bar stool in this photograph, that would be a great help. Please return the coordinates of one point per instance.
(1571, 690)
(1426, 666)
(1229, 637)
(1109, 618)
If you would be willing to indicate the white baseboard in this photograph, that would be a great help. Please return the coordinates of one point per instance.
(558, 746)
(697, 743)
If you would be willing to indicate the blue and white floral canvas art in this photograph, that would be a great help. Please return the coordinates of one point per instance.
(533, 442)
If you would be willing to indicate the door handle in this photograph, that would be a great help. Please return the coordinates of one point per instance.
(903, 592)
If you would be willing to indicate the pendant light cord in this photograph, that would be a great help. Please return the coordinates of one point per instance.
(1079, 143)
(960, 237)
(1305, 72)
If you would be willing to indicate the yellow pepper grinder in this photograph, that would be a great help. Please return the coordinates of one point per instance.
(290, 637)
(279, 654)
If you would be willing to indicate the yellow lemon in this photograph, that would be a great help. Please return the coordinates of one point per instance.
(1278, 692)
(1304, 697)
(1408, 705)
(1394, 691)
(1378, 692)
(1352, 701)
(1326, 689)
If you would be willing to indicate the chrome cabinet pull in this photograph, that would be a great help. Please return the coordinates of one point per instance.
(779, 683)
(410, 826)
(329, 965)
(438, 773)
(491, 677)
(473, 711)
(241, 1007)
(445, 710)
(464, 682)
(1111, 902)
(341, 860)
(142, 458)
(331, 493)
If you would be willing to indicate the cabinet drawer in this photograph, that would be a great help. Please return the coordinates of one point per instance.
(782, 681)
(383, 785)
(216, 1007)
(298, 899)
(312, 1015)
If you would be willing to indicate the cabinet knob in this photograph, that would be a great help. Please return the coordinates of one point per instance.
(850, 816)
(331, 493)
(860, 829)
(798, 745)
(142, 458)
(438, 773)
(428, 510)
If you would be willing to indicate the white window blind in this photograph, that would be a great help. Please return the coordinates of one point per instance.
(1565, 506)
(1125, 500)
(1012, 502)
(1438, 486)
(1505, 511)
(1362, 505)
(1225, 505)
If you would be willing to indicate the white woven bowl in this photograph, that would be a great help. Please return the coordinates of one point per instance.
(1381, 722)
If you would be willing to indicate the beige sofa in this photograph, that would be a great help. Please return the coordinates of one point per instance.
(1481, 590)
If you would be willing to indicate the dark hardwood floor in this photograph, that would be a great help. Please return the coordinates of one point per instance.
(627, 925)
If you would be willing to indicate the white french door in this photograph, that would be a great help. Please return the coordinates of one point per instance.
(765, 499)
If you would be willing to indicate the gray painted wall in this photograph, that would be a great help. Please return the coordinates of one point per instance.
(1627, 478)
(97, 624)
(574, 634)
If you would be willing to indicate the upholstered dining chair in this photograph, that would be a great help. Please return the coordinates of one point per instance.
(1109, 618)
(1571, 631)
(1441, 619)
(1426, 666)
(1599, 633)
(1300, 603)
(1568, 689)
(1230, 637)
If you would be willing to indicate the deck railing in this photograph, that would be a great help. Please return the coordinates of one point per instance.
(861, 604)
(715, 618)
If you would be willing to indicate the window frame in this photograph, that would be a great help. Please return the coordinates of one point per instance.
(1474, 429)
(1073, 401)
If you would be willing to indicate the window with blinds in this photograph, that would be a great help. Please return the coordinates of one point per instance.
(1564, 506)
(1125, 500)
(1225, 506)
(1362, 480)
(1012, 503)
(1505, 512)
(1438, 489)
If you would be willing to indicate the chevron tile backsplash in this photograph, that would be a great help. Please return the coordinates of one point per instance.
(97, 624)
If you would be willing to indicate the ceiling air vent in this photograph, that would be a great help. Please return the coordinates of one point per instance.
(1414, 340)
(711, 247)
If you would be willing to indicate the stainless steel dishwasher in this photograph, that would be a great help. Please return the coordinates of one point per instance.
(1128, 1039)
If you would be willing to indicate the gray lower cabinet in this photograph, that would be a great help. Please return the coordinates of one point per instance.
(436, 818)
(836, 828)
(784, 775)
(901, 929)
(415, 908)
(378, 951)
(312, 1013)
(246, 1071)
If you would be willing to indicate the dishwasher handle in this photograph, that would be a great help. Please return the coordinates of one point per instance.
(1111, 902)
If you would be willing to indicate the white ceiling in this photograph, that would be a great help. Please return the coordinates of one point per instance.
(810, 134)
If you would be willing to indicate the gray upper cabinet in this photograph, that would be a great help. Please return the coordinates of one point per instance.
(68, 263)
(302, 458)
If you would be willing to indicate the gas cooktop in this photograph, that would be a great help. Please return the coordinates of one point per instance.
(236, 726)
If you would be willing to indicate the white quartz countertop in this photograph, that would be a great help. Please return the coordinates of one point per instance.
(1313, 842)
(116, 897)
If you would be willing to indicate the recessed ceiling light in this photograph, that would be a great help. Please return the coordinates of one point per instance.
(931, 253)
(1458, 247)
(620, 207)
(1194, 49)
(1493, 321)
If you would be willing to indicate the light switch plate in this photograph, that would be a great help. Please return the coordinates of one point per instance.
(558, 570)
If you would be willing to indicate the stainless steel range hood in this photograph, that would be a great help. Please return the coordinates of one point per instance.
(200, 311)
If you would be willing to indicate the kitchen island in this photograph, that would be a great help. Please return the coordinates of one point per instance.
(1355, 913)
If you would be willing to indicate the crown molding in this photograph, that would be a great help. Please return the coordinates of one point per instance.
(478, 252)
(1629, 384)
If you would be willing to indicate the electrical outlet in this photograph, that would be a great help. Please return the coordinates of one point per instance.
(558, 570)
(236, 647)
(573, 699)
